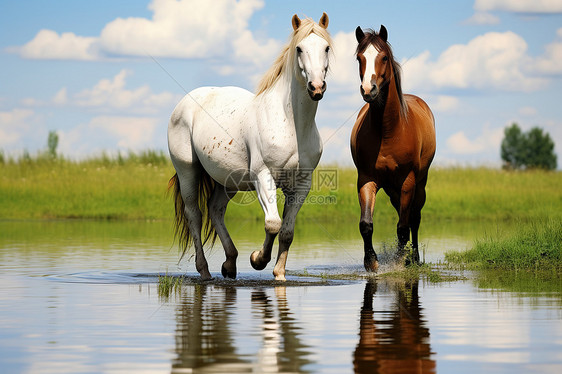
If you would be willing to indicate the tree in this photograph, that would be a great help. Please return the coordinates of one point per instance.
(530, 150)
(512, 149)
(52, 144)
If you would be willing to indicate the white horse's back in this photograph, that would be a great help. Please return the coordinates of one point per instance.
(212, 120)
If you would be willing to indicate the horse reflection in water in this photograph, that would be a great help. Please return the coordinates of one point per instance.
(282, 350)
(393, 341)
(203, 336)
(205, 342)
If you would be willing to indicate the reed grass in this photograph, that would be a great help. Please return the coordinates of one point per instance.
(169, 284)
(536, 246)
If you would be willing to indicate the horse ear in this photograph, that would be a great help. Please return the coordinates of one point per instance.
(359, 34)
(296, 22)
(324, 20)
(383, 33)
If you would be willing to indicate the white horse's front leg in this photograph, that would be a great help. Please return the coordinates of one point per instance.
(293, 203)
(267, 195)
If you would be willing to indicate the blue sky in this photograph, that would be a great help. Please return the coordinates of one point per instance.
(83, 69)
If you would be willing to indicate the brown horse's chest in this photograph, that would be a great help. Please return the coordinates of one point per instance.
(388, 169)
(392, 164)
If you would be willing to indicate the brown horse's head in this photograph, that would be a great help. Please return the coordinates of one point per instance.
(376, 62)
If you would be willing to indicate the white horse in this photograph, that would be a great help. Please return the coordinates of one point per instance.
(224, 140)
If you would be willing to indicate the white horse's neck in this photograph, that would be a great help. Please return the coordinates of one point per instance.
(287, 127)
(304, 108)
(299, 108)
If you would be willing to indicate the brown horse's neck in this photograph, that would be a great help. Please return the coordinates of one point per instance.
(386, 111)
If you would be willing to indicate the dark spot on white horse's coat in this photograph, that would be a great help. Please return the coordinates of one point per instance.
(230, 143)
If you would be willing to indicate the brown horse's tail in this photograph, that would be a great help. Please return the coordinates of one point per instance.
(181, 225)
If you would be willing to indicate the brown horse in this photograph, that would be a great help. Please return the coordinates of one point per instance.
(392, 144)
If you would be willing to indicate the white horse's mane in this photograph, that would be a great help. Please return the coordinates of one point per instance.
(286, 60)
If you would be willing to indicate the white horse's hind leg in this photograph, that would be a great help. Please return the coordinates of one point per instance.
(217, 208)
(189, 176)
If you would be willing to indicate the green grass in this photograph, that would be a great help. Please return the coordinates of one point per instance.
(426, 272)
(492, 194)
(103, 188)
(169, 284)
(134, 187)
(536, 246)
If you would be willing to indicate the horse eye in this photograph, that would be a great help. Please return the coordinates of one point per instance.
(385, 58)
(299, 50)
(327, 49)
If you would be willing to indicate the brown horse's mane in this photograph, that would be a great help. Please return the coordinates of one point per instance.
(371, 37)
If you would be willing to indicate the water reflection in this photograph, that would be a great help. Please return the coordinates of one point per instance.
(209, 330)
(203, 336)
(282, 350)
(394, 340)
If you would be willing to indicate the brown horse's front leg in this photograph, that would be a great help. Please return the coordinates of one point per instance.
(367, 196)
(406, 199)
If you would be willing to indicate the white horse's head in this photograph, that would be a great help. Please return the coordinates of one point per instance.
(312, 54)
(305, 58)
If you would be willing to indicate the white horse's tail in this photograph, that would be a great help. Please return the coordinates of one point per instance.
(181, 225)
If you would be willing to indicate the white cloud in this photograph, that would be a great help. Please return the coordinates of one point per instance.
(483, 18)
(48, 44)
(519, 6)
(112, 95)
(14, 126)
(185, 28)
(527, 111)
(491, 61)
(443, 103)
(61, 97)
(488, 140)
(344, 70)
(551, 61)
(110, 133)
(129, 132)
(177, 29)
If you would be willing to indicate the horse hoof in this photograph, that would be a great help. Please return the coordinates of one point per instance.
(204, 272)
(371, 265)
(256, 262)
(228, 273)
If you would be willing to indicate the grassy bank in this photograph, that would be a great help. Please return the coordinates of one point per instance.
(134, 187)
(537, 246)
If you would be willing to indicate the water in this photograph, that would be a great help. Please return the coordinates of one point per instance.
(81, 297)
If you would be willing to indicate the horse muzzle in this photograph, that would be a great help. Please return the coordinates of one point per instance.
(316, 91)
(369, 95)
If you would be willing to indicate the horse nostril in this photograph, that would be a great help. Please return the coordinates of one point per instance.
(311, 86)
